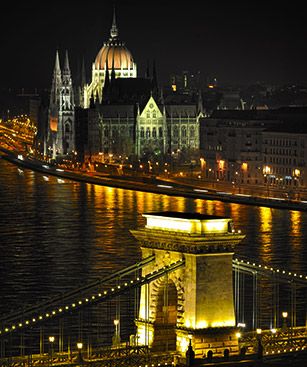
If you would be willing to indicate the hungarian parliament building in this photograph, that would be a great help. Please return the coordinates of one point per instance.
(117, 113)
(123, 116)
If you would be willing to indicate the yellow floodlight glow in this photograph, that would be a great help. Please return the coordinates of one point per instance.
(223, 323)
(169, 224)
(202, 324)
(145, 336)
(220, 225)
(183, 343)
(191, 226)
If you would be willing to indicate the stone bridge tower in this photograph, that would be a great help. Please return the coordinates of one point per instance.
(194, 303)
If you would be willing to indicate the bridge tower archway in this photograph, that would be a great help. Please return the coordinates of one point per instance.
(195, 301)
(164, 336)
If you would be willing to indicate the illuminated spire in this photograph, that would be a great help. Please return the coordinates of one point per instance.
(57, 68)
(66, 67)
(114, 29)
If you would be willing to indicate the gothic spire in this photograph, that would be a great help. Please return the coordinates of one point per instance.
(200, 106)
(57, 69)
(114, 29)
(56, 81)
(66, 68)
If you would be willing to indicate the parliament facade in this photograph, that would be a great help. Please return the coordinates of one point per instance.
(117, 114)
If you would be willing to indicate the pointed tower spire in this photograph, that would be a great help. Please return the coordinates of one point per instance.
(57, 69)
(161, 96)
(114, 29)
(200, 105)
(66, 68)
(56, 82)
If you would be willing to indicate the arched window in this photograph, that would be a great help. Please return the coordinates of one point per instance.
(147, 132)
(160, 132)
(192, 132)
(154, 132)
(114, 133)
(175, 132)
(142, 132)
(183, 132)
(67, 128)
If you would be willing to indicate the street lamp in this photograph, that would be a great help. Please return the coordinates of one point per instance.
(259, 342)
(116, 337)
(266, 174)
(79, 347)
(284, 320)
(51, 341)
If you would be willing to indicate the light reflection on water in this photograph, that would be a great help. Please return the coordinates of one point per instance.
(56, 236)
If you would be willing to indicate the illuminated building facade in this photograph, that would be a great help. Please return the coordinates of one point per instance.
(61, 117)
(285, 157)
(255, 147)
(149, 129)
(118, 114)
(195, 301)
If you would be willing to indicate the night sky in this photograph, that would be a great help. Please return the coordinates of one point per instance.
(237, 44)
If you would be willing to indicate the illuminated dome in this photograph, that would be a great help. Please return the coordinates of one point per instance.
(114, 53)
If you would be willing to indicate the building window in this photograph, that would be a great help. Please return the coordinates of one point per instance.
(142, 132)
(192, 132)
(154, 132)
(147, 133)
(160, 132)
(175, 132)
(183, 132)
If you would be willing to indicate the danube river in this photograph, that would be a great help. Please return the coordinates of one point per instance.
(55, 236)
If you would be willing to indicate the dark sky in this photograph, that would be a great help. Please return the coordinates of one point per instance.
(237, 42)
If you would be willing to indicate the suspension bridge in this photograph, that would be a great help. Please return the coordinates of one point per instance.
(187, 291)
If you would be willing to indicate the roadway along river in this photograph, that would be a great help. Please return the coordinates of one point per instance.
(55, 235)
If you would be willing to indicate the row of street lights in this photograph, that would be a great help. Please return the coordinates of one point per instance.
(115, 342)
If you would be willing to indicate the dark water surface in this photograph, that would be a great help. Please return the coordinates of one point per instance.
(55, 236)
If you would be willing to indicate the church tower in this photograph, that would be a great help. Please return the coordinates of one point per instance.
(61, 122)
(67, 110)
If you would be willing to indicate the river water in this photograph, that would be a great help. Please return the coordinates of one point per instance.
(55, 236)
